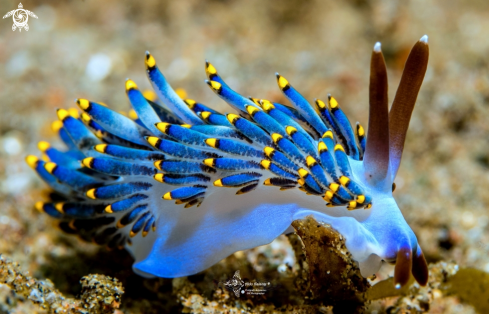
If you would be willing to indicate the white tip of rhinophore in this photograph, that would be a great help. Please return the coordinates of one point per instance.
(377, 47)
(424, 39)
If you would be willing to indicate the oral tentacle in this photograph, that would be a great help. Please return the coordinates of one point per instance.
(420, 267)
(402, 271)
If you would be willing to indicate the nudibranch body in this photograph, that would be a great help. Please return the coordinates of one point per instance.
(182, 186)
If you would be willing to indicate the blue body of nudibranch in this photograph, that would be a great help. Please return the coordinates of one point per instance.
(183, 186)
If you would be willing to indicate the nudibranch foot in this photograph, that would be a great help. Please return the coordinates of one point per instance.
(182, 186)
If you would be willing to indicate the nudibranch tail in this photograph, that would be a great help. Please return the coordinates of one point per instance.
(181, 185)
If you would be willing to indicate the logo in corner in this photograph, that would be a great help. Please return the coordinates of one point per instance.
(20, 17)
(235, 284)
(239, 286)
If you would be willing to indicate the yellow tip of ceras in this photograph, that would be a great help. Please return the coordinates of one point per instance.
(73, 112)
(158, 164)
(232, 118)
(290, 130)
(182, 93)
(190, 103)
(119, 225)
(328, 134)
(269, 151)
(153, 140)
(39, 206)
(212, 142)
(266, 105)
(265, 164)
(276, 137)
(87, 162)
(303, 172)
(218, 182)
(328, 196)
(344, 180)
(91, 194)
(339, 147)
(310, 161)
(108, 209)
(216, 86)
(101, 148)
(159, 177)
(62, 114)
(50, 167)
(132, 114)
(333, 104)
(282, 82)
(56, 126)
(150, 62)
(83, 104)
(334, 187)
(43, 146)
(251, 110)
(167, 196)
(162, 126)
(85, 117)
(209, 162)
(210, 69)
(150, 95)
(256, 101)
(351, 205)
(360, 130)
(205, 114)
(32, 161)
(130, 84)
(321, 104)
(360, 199)
(60, 207)
(322, 147)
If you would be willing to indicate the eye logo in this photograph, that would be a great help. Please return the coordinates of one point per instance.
(20, 17)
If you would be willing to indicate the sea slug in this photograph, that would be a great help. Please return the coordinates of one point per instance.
(182, 186)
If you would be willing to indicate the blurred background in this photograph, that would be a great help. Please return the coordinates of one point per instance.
(86, 49)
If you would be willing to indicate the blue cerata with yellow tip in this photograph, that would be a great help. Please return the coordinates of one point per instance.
(182, 186)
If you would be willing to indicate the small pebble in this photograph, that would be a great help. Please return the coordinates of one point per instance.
(98, 67)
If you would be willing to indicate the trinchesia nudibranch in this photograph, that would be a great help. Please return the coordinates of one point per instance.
(182, 186)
